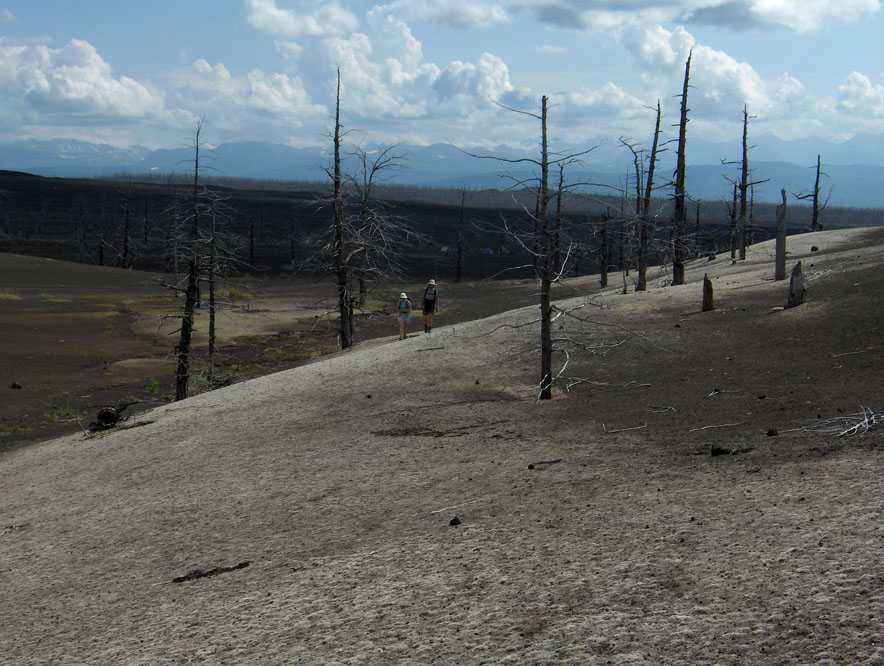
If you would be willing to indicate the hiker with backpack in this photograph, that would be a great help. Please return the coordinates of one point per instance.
(431, 302)
(404, 310)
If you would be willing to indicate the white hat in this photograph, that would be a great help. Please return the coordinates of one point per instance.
(403, 295)
(433, 282)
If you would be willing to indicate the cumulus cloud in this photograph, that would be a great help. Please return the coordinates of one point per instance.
(303, 18)
(254, 104)
(860, 96)
(72, 81)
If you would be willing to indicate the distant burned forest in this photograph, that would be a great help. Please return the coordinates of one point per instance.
(127, 223)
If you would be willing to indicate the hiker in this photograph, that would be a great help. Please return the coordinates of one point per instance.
(404, 309)
(431, 302)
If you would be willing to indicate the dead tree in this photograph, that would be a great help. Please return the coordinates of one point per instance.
(344, 307)
(182, 372)
(744, 182)
(780, 268)
(543, 241)
(645, 212)
(796, 287)
(680, 211)
(708, 302)
(814, 196)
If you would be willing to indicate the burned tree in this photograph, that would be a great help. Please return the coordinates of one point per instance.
(345, 311)
(679, 218)
(365, 241)
(186, 221)
(744, 186)
(814, 196)
(645, 212)
(541, 244)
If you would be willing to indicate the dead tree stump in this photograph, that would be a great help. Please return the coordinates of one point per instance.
(780, 265)
(708, 303)
(796, 287)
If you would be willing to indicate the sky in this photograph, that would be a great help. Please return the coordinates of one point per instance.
(426, 71)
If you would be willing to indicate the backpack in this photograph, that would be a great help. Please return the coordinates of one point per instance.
(404, 305)
(430, 293)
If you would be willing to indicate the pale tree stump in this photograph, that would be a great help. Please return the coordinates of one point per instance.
(780, 265)
(708, 303)
(796, 287)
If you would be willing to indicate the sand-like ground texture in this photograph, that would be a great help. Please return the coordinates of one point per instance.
(597, 528)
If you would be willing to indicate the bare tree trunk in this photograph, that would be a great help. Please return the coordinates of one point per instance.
(815, 220)
(796, 287)
(642, 281)
(182, 372)
(708, 300)
(344, 306)
(744, 182)
(545, 279)
(191, 296)
(697, 222)
(680, 212)
(652, 164)
(780, 268)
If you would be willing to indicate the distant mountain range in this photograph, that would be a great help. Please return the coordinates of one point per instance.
(855, 168)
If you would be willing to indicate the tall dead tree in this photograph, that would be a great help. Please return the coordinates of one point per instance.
(182, 372)
(344, 307)
(546, 377)
(645, 212)
(744, 182)
(679, 220)
(780, 255)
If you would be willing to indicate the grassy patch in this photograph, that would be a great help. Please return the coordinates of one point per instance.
(9, 295)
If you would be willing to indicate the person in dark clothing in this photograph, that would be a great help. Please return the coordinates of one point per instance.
(431, 303)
